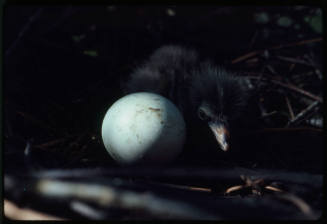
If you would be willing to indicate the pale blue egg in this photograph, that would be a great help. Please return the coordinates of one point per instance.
(143, 127)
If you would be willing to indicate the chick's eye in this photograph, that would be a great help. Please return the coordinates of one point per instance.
(202, 115)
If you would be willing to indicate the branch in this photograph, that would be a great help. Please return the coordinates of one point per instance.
(112, 197)
(304, 113)
(26, 27)
(12, 211)
(289, 106)
(183, 175)
(290, 87)
(253, 53)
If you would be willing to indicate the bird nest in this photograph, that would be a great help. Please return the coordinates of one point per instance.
(60, 78)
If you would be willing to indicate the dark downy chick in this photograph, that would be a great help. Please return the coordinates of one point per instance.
(206, 94)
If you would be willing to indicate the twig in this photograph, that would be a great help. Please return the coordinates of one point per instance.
(290, 110)
(275, 189)
(271, 69)
(246, 56)
(262, 108)
(298, 202)
(318, 73)
(12, 211)
(100, 191)
(111, 197)
(193, 175)
(78, 140)
(290, 87)
(272, 130)
(253, 53)
(255, 186)
(265, 115)
(294, 60)
(87, 211)
(302, 42)
(314, 65)
(27, 149)
(24, 30)
(51, 143)
(304, 113)
(179, 186)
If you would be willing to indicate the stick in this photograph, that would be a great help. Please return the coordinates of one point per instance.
(290, 87)
(12, 211)
(24, 30)
(288, 103)
(304, 113)
(112, 197)
(253, 53)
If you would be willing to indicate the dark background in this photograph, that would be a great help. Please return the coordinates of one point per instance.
(64, 65)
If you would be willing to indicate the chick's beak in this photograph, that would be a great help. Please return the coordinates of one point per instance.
(221, 133)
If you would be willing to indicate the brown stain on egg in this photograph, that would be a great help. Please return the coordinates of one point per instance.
(154, 109)
(157, 111)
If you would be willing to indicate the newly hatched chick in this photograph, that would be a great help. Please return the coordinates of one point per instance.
(205, 93)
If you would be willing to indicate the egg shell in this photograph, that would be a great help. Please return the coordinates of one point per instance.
(143, 127)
